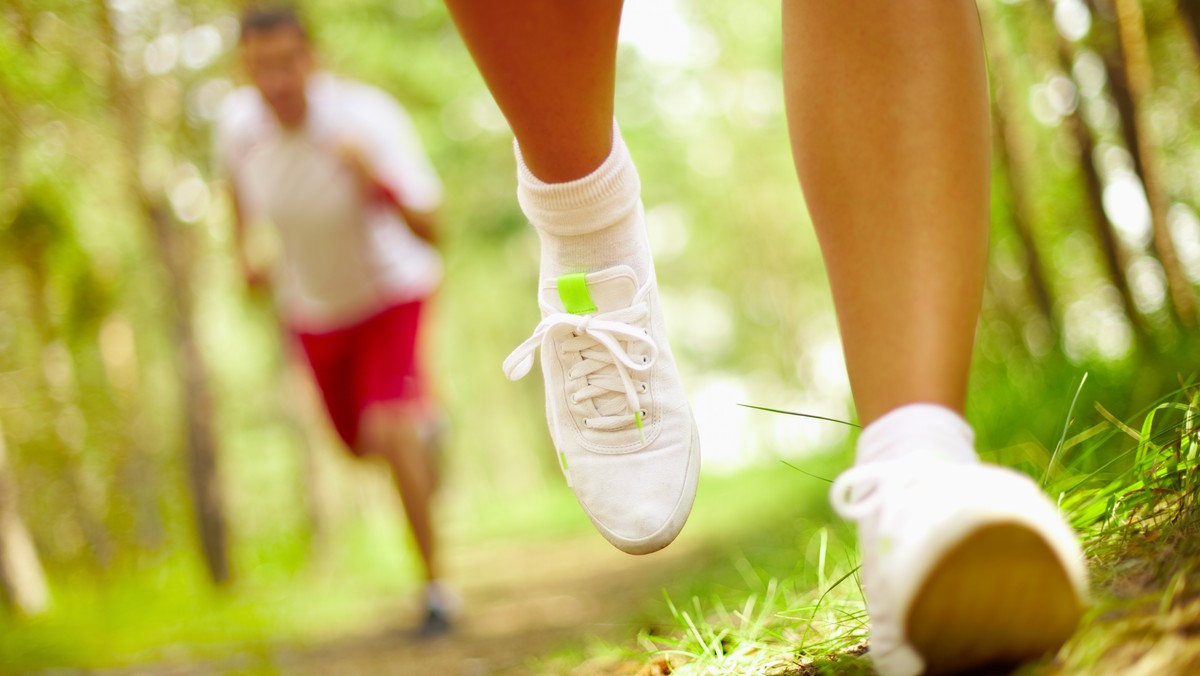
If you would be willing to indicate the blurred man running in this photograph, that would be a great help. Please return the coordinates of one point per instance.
(338, 168)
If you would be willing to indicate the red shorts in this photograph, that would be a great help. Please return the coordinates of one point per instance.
(367, 363)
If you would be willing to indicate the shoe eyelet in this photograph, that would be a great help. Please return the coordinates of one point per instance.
(645, 413)
(586, 423)
(645, 359)
(645, 387)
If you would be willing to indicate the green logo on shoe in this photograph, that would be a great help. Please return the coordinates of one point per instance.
(573, 291)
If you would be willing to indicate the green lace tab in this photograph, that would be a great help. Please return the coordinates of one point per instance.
(573, 291)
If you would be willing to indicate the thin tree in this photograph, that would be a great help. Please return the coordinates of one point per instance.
(1012, 159)
(201, 446)
(21, 576)
(1189, 11)
(1135, 57)
(1114, 257)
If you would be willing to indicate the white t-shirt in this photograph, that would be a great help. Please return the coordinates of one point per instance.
(345, 256)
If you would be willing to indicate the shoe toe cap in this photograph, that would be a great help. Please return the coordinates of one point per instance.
(639, 501)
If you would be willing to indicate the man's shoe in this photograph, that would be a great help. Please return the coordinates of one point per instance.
(441, 607)
(963, 564)
(616, 409)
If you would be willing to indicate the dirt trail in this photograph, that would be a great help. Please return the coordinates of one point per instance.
(526, 599)
(521, 600)
(1146, 619)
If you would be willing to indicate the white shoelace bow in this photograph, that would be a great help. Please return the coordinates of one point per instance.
(606, 363)
(886, 492)
(863, 491)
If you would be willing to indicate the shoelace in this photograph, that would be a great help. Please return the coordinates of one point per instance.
(884, 493)
(606, 364)
(861, 492)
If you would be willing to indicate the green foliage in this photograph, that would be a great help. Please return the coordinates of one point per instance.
(814, 620)
(89, 389)
(1150, 482)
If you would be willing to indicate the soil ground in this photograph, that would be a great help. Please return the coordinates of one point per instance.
(528, 599)
(584, 588)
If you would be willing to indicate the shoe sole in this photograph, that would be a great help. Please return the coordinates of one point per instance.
(1001, 596)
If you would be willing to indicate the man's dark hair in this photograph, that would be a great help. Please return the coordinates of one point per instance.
(266, 18)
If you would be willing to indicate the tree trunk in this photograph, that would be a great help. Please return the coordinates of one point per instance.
(1106, 235)
(21, 576)
(1189, 10)
(1012, 156)
(200, 449)
(1102, 227)
(1136, 57)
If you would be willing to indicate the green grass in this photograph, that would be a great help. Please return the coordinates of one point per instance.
(1129, 488)
(169, 611)
(769, 588)
(781, 626)
(777, 565)
(1141, 529)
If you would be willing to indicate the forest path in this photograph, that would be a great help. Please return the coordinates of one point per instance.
(527, 599)
(521, 599)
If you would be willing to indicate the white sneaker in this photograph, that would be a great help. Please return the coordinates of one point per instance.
(624, 433)
(963, 564)
(441, 609)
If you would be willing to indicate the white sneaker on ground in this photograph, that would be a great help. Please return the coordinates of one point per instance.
(442, 606)
(963, 564)
(616, 409)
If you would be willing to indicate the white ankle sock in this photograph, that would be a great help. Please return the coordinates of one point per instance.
(591, 223)
(926, 431)
(440, 597)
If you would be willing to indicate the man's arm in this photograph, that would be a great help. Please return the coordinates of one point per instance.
(229, 142)
(256, 280)
(423, 223)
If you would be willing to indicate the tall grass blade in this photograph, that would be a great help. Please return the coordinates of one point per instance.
(1066, 425)
(801, 415)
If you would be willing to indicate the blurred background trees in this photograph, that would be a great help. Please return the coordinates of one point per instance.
(149, 414)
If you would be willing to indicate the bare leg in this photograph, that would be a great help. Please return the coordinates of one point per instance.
(887, 105)
(551, 67)
(393, 433)
(550, 64)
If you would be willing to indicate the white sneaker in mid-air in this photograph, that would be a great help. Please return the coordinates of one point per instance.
(618, 417)
(963, 564)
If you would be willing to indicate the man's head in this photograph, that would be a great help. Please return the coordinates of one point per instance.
(278, 58)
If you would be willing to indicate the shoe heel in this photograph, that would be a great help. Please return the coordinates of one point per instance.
(1000, 596)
